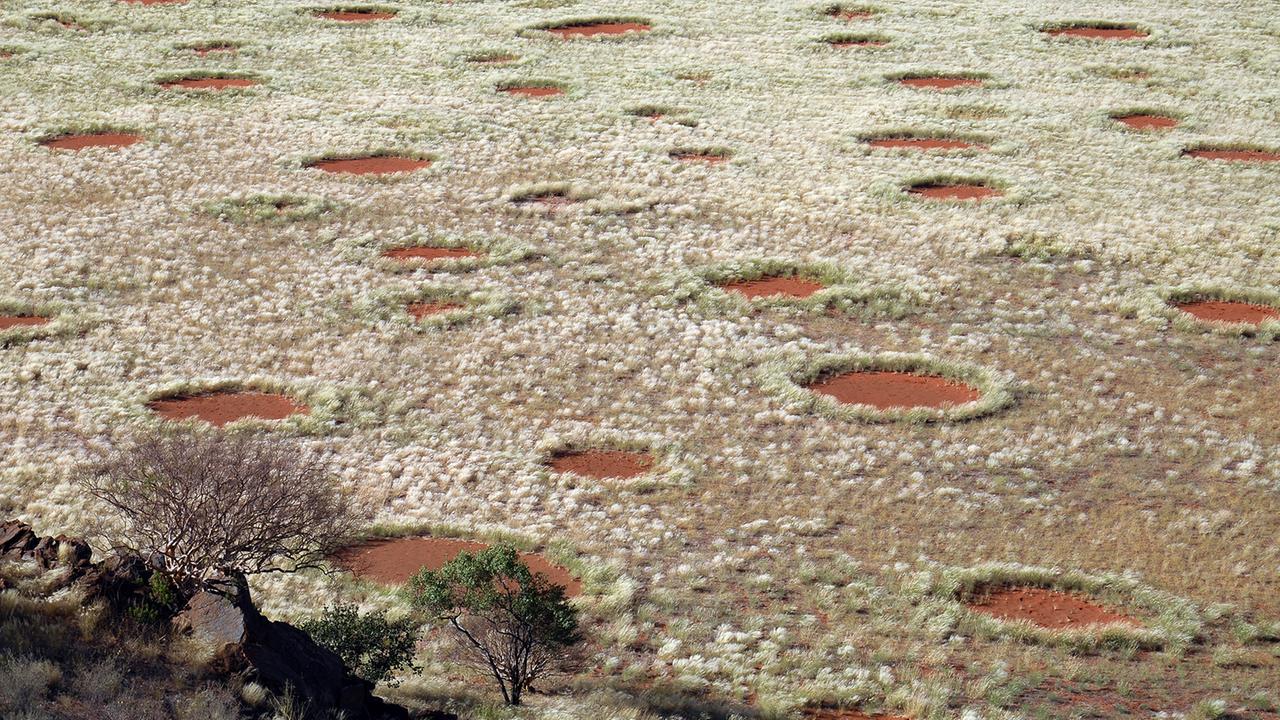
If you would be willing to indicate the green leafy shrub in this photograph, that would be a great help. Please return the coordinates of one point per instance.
(372, 646)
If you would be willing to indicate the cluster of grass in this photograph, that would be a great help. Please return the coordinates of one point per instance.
(270, 208)
(329, 407)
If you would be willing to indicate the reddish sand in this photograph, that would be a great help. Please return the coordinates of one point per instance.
(420, 310)
(959, 191)
(210, 83)
(206, 50)
(697, 157)
(425, 252)
(374, 165)
(836, 714)
(866, 42)
(9, 321)
(884, 390)
(923, 143)
(1141, 121)
(393, 562)
(222, 407)
(355, 15)
(1229, 311)
(604, 28)
(774, 286)
(1047, 608)
(603, 464)
(940, 82)
(88, 140)
(1099, 33)
(1234, 155)
(846, 15)
(531, 91)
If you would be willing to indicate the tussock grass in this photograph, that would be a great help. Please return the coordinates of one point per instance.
(270, 208)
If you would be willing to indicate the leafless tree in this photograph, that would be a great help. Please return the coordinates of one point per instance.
(209, 506)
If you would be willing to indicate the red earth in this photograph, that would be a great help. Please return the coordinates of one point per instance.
(940, 82)
(393, 562)
(373, 165)
(1229, 311)
(868, 42)
(847, 15)
(1099, 33)
(602, 464)
(10, 321)
(1141, 121)
(885, 390)
(355, 15)
(774, 286)
(1047, 608)
(207, 50)
(221, 407)
(603, 28)
(88, 140)
(924, 143)
(425, 252)
(531, 91)
(958, 191)
(1234, 155)
(209, 83)
(697, 157)
(420, 310)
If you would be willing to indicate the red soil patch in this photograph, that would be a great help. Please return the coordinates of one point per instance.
(207, 50)
(837, 714)
(604, 28)
(374, 165)
(602, 464)
(867, 42)
(355, 16)
(532, 91)
(1099, 33)
(923, 143)
(1142, 121)
(958, 191)
(697, 157)
(420, 310)
(88, 140)
(220, 408)
(9, 321)
(774, 286)
(209, 83)
(393, 562)
(1234, 155)
(1229, 311)
(1047, 608)
(884, 390)
(940, 82)
(425, 252)
(848, 15)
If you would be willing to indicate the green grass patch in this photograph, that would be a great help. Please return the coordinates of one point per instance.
(269, 208)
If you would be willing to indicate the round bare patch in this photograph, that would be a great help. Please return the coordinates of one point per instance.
(884, 390)
(1234, 155)
(422, 309)
(533, 91)
(426, 252)
(847, 14)
(940, 82)
(1145, 121)
(1047, 608)
(209, 83)
(393, 562)
(355, 15)
(221, 407)
(371, 165)
(1098, 32)
(792, 286)
(598, 28)
(10, 321)
(1229, 311)
(92, 140)
(925, 143)
(602, 464)
(953, 191)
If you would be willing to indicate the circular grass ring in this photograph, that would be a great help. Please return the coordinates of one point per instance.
(1093, 30)
(209, 81)
(23, 321)
(376, 163)
(1168, 622)
(267, 208)
(440, 254)
(436, 306)
(591, 28)
(327, 407)
(1259, 322)
(712, 288)
(567, 460)
(791, 380)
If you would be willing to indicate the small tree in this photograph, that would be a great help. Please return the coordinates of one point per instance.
(209, 506)
(372, 646)
(504, 619)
